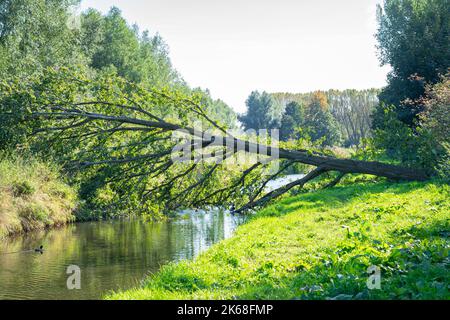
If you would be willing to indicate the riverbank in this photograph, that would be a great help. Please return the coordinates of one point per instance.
(33, 196)
(320, 245)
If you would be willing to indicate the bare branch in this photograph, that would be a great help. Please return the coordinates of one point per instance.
(335, 181)
(272, 177)
(282, 190)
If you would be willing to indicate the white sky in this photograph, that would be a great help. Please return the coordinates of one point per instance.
(235, 46)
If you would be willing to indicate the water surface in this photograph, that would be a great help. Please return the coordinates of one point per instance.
(280, 182)
(112, 255)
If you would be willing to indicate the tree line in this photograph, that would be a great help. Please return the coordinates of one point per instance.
(39, 34)
(330, 117)
(407, 120)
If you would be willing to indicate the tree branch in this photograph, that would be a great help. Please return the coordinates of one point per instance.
(282, 190)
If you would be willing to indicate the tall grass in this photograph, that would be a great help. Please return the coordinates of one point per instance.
(32, 196)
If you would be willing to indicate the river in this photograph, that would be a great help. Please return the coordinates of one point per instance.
(111, 255)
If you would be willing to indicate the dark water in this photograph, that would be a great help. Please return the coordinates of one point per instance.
(112, 255)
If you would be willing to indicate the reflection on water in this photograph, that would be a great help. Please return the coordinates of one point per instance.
(112, 255)
(280, 182)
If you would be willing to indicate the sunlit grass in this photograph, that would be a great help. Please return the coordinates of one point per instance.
(319, 246)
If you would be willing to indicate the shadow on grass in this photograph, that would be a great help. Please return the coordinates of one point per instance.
(336, 197)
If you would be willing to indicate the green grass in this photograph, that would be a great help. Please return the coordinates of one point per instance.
(319, 246)
(32, 196)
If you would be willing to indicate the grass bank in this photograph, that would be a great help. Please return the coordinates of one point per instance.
(320, 245)
(32, 196)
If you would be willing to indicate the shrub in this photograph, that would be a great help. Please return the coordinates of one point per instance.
(427, 145)
(34, 212)
(21, 189)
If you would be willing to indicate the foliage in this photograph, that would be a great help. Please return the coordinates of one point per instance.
(36, 36)
(350, 108)
(319, 122)
(436, 117)
(217, 108)
(22, 189)
(425, 146)
(263, 112)
(435, 122)
(109, 42)
(292, 121)
(118, 136)
(320, 245)
(413, 39)
(116, 166)
(100, 101)
(46, 59)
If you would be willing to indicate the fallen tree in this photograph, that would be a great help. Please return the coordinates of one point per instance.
(144, 153)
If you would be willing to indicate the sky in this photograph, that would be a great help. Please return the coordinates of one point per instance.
(233, 47)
